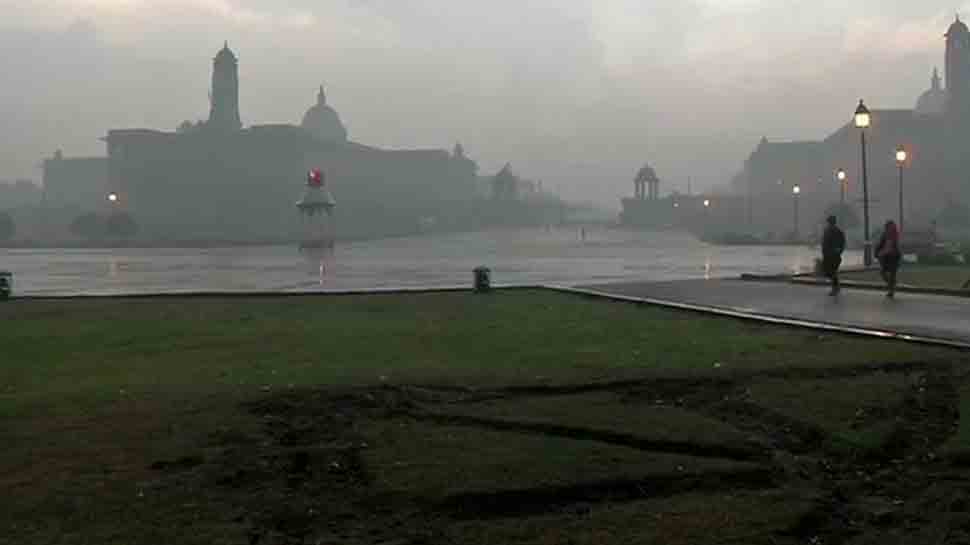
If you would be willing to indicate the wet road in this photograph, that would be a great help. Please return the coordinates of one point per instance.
(516, 256)
(933, 316)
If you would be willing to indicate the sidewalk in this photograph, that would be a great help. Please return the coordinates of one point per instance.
(923, 315)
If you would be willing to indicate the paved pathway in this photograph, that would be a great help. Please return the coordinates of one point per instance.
(933, 316)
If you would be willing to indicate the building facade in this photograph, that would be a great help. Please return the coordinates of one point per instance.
(218, 180)
(935, 133)
(76, 182)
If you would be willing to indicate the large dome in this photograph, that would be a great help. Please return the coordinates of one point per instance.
(323, 122)
(933, 101)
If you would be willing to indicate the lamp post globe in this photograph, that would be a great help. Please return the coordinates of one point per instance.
(705, 213)
(112, 197)
(863, 117)
(841, 177)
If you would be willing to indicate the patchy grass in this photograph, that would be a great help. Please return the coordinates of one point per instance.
(749, 518)
(836, 404)
(924, 276)
(279, 420)
(958, 446)
(88, 478)
(71, 354)
(478, 461)
(869, 438)
(608, 411)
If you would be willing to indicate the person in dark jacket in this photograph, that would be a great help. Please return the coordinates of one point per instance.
(889, 255)
(833, 244)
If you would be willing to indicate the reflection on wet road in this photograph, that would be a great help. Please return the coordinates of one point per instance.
(515, 257)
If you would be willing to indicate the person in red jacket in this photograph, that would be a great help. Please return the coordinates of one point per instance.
(889, 255)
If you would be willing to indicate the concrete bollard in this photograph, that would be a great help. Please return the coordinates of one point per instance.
(6, 284)
(483, 279)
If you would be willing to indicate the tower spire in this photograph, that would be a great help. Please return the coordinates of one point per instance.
(322, 97)
(224, 92)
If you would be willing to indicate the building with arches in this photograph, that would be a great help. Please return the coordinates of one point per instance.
(936, 133)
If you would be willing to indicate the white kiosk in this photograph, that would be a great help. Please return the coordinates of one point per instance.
(316, 209)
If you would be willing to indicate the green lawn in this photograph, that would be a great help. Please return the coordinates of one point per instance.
(97, 352)
(334, 419)
(608, 411)
(958, 445)
(920, 275)
(506, 460)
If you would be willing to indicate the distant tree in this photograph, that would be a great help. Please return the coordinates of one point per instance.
(88, 225)
(846, 213)
(7, 226)
(121, 224)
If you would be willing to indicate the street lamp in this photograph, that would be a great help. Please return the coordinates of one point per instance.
(113, 197)
(795, 191)
(901, 157)
(841, 177)
(863, 120)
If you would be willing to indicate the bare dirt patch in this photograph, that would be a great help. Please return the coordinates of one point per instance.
(752, 458)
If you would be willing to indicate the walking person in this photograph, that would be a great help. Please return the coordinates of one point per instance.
(889, 255)
(833, 244)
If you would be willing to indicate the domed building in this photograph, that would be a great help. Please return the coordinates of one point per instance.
(933, 101)
(217, 180)
(935, 132)
(323, 122)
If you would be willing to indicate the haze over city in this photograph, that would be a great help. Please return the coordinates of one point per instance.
(691, 272)
(576, 93)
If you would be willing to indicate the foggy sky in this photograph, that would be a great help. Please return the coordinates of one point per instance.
(577, 93)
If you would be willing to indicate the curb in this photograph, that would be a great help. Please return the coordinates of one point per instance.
(690, 307)
(902, 288)
(768, 318)
(752, 277)
(401, 290)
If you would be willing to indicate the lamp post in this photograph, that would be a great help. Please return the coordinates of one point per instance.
(901, 157)
(840, 176)
(863, 120)
(113, 198)
(795, 191)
